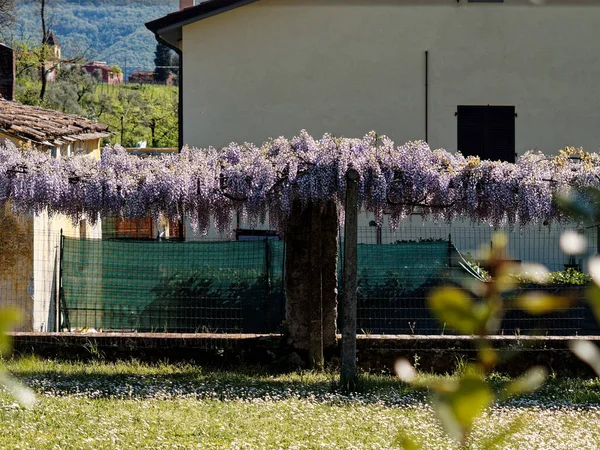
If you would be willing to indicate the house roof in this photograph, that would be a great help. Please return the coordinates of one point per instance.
(52, 40)
(169, 26)
(46, 126)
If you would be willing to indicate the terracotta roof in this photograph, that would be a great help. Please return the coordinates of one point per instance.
(46, 126)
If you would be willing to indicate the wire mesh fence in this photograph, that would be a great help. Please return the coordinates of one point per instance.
(170, 286)
(397, 270)
(237, 286)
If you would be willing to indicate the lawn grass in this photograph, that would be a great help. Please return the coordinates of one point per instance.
(133, 405)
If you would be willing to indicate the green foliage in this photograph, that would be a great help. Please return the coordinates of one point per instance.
(476, 267)
(567, 277)
(162, 59)
(138, 113)
(477, 310)
(102, 29)
(457, 309)
(216, 300)
(133, 112)
(7, 10)
(72, 92)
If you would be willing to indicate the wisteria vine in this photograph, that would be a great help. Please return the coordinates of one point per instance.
(266, 179)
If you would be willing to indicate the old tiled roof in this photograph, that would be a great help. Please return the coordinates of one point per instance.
(46, 126)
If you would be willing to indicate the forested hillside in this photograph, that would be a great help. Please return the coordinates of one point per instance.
(107, 30)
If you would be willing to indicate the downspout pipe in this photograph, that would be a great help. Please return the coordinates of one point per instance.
(426, 95)
(180, 82)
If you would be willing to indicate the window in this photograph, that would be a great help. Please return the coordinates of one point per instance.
(176, 229)
(136, 228)
(487, 132)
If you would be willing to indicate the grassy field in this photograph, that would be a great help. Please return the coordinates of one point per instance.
(132, 405)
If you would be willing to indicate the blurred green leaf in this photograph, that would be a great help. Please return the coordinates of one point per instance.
(487, 355)
(531, 380)
(538, 302)
(593, 297)
(8, 318)
(459, 403)
(499, 241)
(455, 308)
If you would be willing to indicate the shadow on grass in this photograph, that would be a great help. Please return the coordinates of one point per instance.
(133, 380)
(136, 380)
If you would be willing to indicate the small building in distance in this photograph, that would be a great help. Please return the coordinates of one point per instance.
(142, 77)
(147, 77)
(54, 61)
(109, 74)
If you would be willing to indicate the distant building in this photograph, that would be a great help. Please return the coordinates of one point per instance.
(142, 76)
(53, 42)
(110, 74)
(52, 65)
(147, 77)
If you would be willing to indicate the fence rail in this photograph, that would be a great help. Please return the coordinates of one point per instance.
(238, 286)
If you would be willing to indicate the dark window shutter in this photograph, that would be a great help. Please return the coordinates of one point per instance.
(501, 130)
(487, 132)
(471, 130)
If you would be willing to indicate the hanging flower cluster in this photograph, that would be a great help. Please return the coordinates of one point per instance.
(266, 179)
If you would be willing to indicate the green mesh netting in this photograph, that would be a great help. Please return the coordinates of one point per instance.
(172, 286)
(235, 286)
(393, 283)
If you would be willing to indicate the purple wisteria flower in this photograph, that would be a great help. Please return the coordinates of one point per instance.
(257, 181)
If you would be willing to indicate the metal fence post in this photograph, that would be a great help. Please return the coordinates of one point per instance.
(348, 370)
(268, 286)
(58, 293)
(61, 306)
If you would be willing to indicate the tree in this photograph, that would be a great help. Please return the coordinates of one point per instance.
(301, 184)
(161, 117)
(175, 67)
(7, 9)
(162, 62)
(72, 92)
(43, 56)
(44, 52)
(129, 109)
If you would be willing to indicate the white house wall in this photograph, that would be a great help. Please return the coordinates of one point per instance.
(347, 67)
(46, 241)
